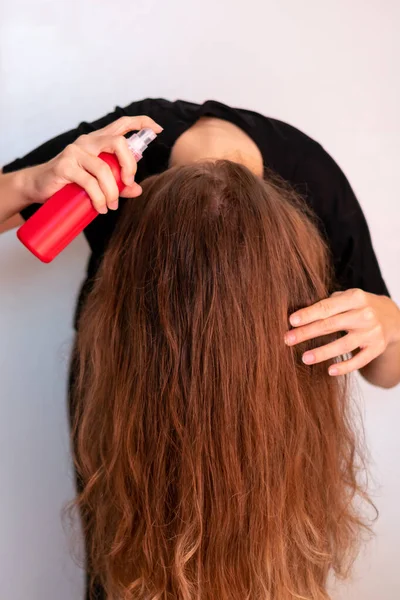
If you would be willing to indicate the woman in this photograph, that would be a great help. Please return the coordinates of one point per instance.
(214, 464)
(361, 306)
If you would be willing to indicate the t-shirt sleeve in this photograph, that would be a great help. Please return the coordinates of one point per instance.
(344, 224)
(52, 147)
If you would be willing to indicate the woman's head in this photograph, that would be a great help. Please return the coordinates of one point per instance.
(215, 464)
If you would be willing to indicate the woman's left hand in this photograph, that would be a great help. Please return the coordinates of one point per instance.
(372, 324)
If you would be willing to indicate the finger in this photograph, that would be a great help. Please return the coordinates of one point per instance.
(120, 147)
(126, 124)
(350, 299)
(116, 144)
(344, 345)
(131, 191)
(364, 357)
(352, 319)
(91, 187)
(105, 179)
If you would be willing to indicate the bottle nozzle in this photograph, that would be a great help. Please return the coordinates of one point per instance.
(138, 142)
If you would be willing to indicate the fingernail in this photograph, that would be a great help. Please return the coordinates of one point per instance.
(290, 338)
(295, 319)
(333, 371)
(113, 205)
(103, 210)
(308, 358)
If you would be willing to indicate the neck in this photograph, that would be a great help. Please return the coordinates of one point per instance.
(213, 139)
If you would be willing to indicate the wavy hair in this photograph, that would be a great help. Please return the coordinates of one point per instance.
(214, 464)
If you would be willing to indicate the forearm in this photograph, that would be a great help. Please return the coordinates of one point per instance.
(13, 196)
(384, 371)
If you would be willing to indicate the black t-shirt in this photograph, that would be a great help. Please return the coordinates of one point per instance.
(292, 154)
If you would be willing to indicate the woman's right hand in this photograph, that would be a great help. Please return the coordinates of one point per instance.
(79, 163)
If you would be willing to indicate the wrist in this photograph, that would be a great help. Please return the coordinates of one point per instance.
(395, 322)
(13, 195)
(22, 187)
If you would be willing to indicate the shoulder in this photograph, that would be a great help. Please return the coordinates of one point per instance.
(292, 153)
(320, 174)
(288, 133)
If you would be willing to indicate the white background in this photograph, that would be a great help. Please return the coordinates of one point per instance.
(329, 68)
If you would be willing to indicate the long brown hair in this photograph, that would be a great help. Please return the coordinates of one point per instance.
(215, 464)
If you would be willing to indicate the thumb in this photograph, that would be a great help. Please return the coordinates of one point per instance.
(131, 191)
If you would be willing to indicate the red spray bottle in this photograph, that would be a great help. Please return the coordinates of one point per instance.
(65, 214)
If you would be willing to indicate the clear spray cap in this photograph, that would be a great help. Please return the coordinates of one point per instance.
(139, 141)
